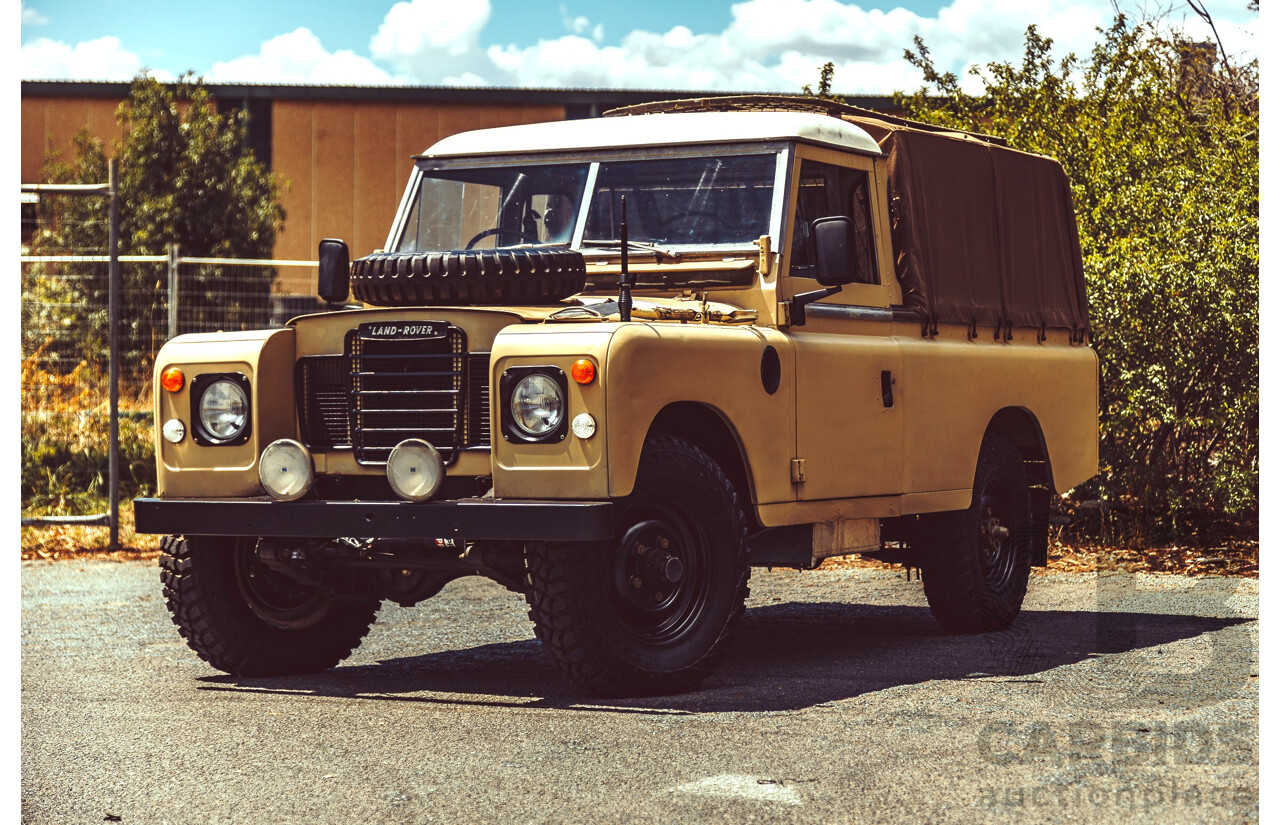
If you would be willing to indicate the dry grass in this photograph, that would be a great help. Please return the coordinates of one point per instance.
(73, 542)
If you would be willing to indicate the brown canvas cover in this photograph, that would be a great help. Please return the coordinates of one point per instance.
(982, 234)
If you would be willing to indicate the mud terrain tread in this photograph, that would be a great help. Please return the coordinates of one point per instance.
(468, 276)
(558, 585)
(220, 628)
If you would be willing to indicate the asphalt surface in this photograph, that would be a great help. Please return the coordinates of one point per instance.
(1116, 699)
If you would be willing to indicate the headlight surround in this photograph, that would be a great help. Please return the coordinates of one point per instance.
(221, 410)
(535, 404)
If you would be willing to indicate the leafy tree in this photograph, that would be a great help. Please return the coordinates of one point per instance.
(1160, 140)
(187, 177)
(826, 73)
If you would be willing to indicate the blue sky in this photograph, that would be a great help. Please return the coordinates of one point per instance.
(751, 45)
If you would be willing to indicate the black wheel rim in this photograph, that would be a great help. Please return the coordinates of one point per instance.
(274, 597)
(660, 582)
(997, 535)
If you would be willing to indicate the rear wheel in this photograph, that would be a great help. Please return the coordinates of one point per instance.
(246, 619)
(652, 611)
(978, 560)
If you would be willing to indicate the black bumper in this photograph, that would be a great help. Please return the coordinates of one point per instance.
(470, 519)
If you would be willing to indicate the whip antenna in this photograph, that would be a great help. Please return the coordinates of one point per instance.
(624, 278)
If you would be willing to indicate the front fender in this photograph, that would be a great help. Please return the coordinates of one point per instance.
(266, 358)
(654, 365)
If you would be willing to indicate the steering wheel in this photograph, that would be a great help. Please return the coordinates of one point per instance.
(681, 222)
(498, 230)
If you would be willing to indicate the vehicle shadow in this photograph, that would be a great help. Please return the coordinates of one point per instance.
(785, 657)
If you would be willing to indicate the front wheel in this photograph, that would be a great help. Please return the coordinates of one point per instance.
(978, 560)
(650, 612)
(246, 619)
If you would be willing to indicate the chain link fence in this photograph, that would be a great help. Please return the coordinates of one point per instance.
(65, 355)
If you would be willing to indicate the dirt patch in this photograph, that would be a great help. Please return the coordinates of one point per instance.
(1240, 558)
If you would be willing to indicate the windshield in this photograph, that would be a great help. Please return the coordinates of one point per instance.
(684, 200)
(489, 208)
(670, 202)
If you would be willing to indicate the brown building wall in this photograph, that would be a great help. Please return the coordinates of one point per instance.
(344, 164)
(51, 122)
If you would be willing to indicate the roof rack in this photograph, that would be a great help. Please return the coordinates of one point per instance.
(787, 103)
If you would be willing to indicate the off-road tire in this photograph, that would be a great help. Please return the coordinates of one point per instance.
(216, 619)
(971, 590)
(597, 632)
(520, 275)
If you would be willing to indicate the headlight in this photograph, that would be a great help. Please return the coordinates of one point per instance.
(537, 405)
(221, 409)
(534, 404)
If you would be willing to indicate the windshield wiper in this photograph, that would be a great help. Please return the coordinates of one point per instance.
(647, 247)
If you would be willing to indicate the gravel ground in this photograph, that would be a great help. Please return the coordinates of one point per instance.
(1115, 698)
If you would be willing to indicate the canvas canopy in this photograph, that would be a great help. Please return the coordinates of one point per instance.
(982, 234)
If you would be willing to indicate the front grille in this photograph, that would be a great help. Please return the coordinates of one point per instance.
(478, 399)
(406, 388)
(322, 402)
(384, 390)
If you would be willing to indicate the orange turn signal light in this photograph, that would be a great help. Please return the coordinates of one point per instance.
(172, 379)
(583, 371)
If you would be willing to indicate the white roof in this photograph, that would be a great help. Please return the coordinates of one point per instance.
(662, 129)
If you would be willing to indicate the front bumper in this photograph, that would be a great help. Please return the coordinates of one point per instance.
(471, 519)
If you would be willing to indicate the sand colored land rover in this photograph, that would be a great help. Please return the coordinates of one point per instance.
(613, 364)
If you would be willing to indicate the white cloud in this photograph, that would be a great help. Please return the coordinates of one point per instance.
(769, 45)
(300, 57)
(434, 41)
(31, 17)
(102, 59)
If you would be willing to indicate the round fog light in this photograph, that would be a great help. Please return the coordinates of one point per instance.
(286, 470)
(415, 470)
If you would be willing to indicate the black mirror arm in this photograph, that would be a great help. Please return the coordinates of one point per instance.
(799, 302)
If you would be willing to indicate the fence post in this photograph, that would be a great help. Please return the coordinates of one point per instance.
(172, 251)
(113, 322)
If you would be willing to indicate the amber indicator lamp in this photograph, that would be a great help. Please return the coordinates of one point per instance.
(172, 379)
(583, 371)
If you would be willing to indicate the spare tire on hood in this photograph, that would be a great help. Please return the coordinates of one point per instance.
(521, 275)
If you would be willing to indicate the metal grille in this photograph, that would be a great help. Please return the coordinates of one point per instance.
(478, 399)
(406, 388)
(322, 407)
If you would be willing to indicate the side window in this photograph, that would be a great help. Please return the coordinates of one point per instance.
(856, 185)
(826, 190)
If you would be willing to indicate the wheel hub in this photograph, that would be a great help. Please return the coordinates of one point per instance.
(273, 596)
(654, 588)
(994, 546)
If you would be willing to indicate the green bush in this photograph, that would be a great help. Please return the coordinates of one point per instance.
(65, 460)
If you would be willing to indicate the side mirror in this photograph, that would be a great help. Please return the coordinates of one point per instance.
(335, 270)
(833, 244)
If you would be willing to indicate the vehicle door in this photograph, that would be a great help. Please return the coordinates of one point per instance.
(848, 404)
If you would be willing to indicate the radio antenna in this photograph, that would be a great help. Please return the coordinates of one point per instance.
(624, 277)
